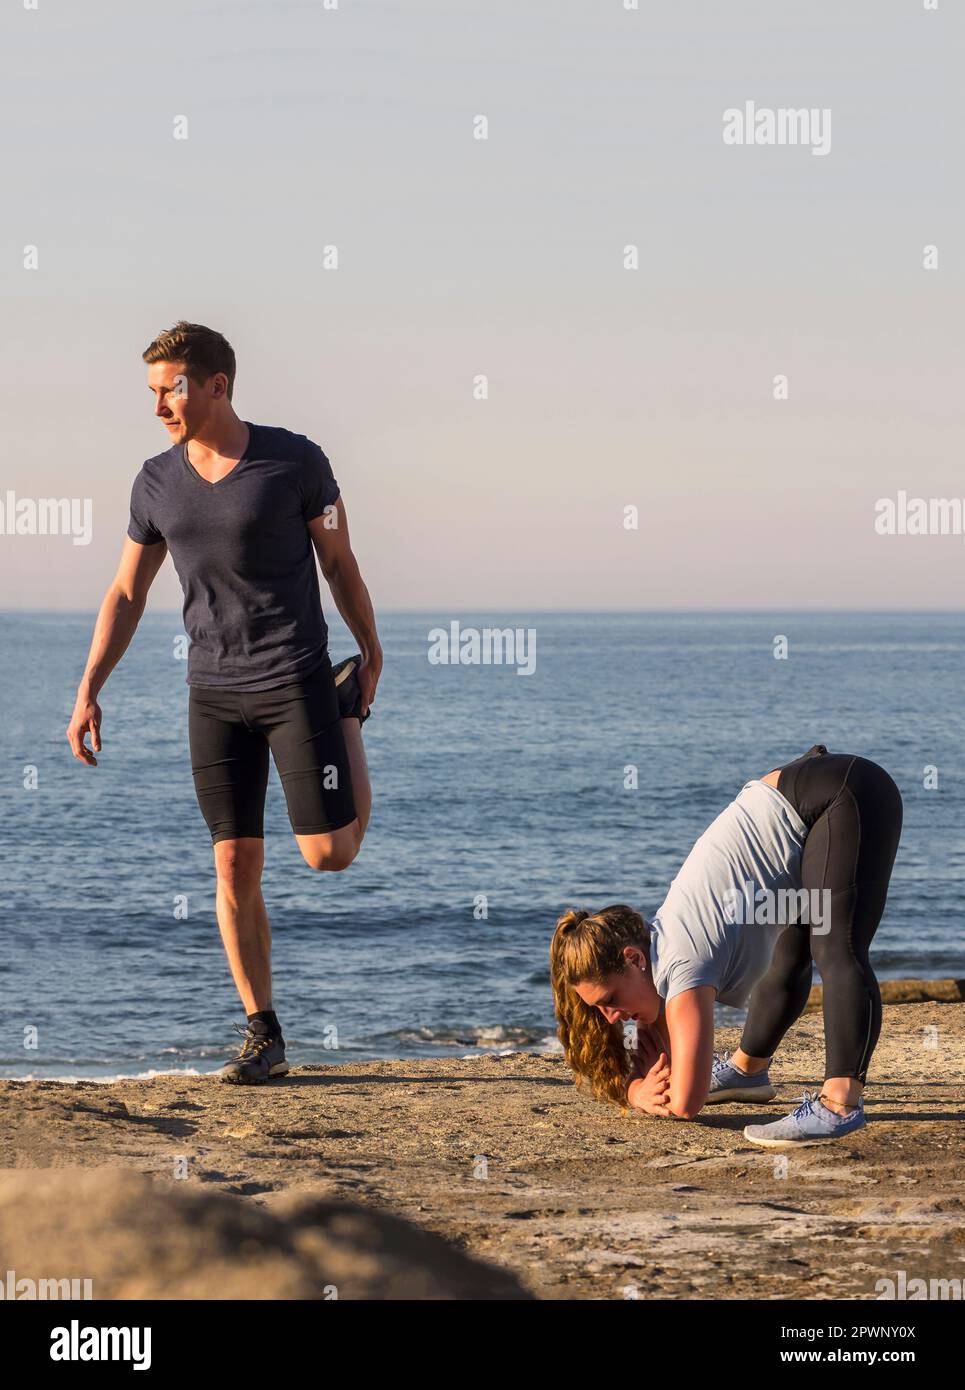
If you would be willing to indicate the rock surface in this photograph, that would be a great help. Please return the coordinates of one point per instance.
(510, 1163)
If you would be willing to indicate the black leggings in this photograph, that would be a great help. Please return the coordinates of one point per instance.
(853, 812)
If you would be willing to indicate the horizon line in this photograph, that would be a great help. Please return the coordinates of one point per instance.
(471, 608)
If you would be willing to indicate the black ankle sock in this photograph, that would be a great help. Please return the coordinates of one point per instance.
(269, 1018)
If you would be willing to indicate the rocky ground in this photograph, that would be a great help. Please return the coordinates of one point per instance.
(546, 1191)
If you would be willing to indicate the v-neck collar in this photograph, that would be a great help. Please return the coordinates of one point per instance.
(245, 458)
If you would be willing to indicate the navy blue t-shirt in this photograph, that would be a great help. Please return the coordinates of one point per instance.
(244, 556)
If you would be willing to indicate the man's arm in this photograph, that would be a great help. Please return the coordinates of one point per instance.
(341, 571)
(119, 615)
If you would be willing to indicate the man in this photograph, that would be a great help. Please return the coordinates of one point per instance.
(243, 510)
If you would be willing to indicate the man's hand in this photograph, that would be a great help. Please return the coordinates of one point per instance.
(368, 676)
(651, 1093)
(86, 719)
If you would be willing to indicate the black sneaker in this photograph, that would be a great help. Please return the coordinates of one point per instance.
(347, 686)
(261, 1057)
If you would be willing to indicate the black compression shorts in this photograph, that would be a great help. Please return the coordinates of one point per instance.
(231, 733)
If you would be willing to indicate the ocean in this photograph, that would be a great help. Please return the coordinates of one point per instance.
(499, 800)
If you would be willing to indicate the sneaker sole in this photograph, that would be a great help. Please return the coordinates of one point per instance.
(279, 1069)
(796, 1143)
(753, 1094)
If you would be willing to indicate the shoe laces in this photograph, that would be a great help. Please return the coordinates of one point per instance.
(253, 1042)
(720, 1060)
(807, 1105)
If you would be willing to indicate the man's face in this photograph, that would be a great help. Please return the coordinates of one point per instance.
(181, 405)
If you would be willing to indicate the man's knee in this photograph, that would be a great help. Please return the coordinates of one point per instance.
(239, 864)
(333, 852)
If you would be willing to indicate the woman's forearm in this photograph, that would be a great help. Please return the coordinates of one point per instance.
(691, 1024)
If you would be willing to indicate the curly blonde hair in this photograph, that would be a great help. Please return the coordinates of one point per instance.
(589, 946)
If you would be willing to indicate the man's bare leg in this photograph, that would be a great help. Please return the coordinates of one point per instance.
(243, 919)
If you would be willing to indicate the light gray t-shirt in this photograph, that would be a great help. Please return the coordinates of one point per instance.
(715, 927)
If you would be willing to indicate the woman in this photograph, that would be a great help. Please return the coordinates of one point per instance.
(793, 872)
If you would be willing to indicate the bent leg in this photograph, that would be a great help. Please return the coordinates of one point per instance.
(332, 851)
(359, 770)
(321, 763)
(335, 850)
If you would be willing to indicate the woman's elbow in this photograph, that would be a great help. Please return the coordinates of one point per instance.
(687, 1107)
